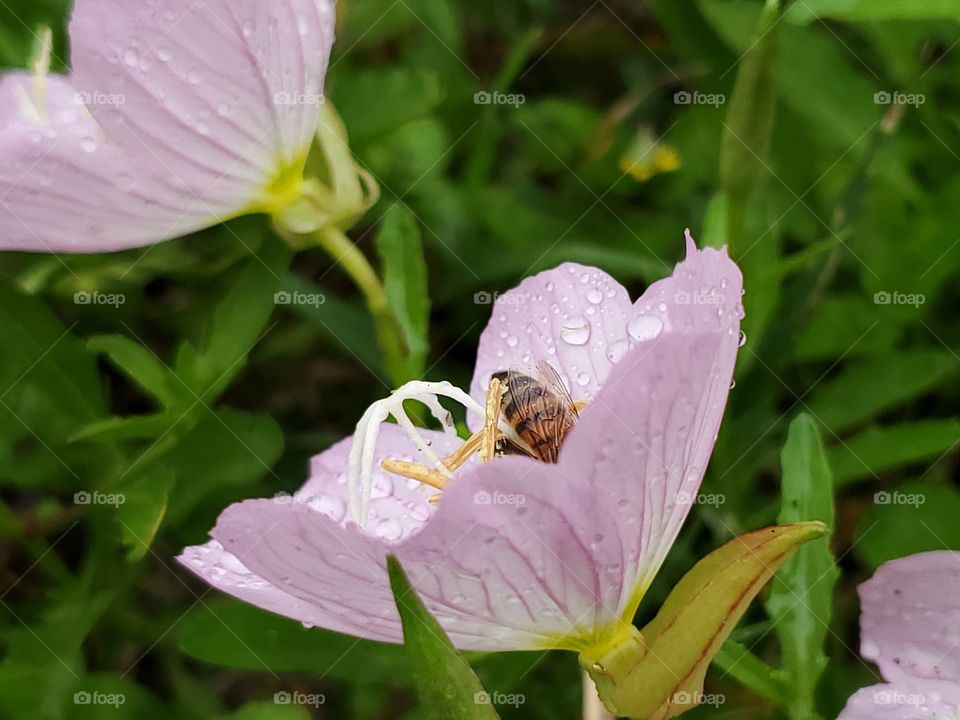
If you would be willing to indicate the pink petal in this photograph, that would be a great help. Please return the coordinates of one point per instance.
(573, 317)
(919, 700)
(510, 563)
(64, 187)
(344, 588)
(644, 442)
(398, 507)
(218, 96)
(224, 571)
(910, 617)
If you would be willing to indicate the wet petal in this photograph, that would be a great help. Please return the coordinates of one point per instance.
(910, 617)
(573, 317)
(398, 506)
(217, 96)
(643, 444)
(509, 563)
(64, 187)
(503, 574)
(225, 572)
(904, 701)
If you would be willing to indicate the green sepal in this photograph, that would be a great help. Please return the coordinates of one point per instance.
(658, 672)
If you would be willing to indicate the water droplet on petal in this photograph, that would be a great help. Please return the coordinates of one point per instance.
(595, 295)
(576, 331)
(512, 341)
(131, 58)
(164, 55)
(733, 384)
(742, 339)
(88, 145)
(389, 529)
(644, 327)
(616, 350)
(583, 379)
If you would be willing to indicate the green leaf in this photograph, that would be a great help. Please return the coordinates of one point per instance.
(745, 145)
(142, 366)
(865, 389)
(878, 449)
(637, 673)
(233, 634)
(860, 10)
(801, 594)
(405, 281)
(38, 351)
(737, 661)
(913, 518)
(137, 427)
(447, 685)
(348, 325)
(226, 452)
(143, 509)
(744, 176)
(237, 322)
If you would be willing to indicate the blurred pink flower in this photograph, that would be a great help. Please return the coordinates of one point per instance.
(178, 114)
(910, 627)
(519, 554)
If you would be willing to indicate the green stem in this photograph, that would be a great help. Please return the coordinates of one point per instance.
(349, 257)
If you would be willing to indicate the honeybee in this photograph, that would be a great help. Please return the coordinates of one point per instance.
(539, 408)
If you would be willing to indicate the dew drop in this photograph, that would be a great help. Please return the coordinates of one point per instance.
(512, 341)
(164, 55)
(742, 340)
(733, 384)
(595, 295)
(644, 327)
(130, 58)
(549, 287)
(616, 350)
(88, 145)
(331, 506)
(583, 379)
(389, 529)
(576, 331)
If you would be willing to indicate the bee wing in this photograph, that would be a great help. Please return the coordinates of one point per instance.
(551, 378)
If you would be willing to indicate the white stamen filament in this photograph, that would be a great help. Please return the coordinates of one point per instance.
(360, 465)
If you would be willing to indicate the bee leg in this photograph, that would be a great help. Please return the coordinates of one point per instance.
(416, 471)
(490, 432)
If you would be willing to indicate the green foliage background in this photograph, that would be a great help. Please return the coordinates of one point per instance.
(199, 390)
